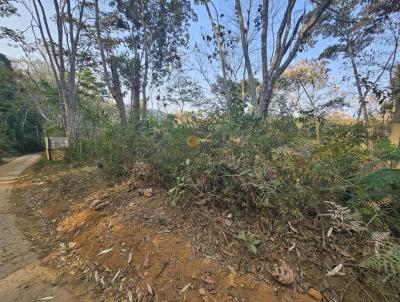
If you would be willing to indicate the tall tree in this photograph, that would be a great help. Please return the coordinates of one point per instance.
(20, 122)
(308, 78)
(294, 31)
(395, 126)
(8, 9)
(183, 91)
(245, 47)
(108, 58)
(156, 31)
(61, 48)
(42, 89)
(355, 26)
(313, 91)
(224, 48)
(218, 38)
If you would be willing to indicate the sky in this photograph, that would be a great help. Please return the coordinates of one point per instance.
(22, 22)
(225, 7)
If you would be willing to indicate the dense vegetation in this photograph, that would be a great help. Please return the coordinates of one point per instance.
(271, 135)
(276, 167)
(21, 125)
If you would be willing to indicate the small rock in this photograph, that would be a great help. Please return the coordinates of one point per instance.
(98, 204)
(94, 202)
(208, 280)
(202, 292)
(231, 278)
(148, 193)
(315, 294)
(228, 222)
(253, 269)
(132, 187)
(71, 244)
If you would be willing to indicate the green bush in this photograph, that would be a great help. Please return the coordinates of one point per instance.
(273, 166)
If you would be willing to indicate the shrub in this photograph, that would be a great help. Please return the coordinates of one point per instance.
(272, 166)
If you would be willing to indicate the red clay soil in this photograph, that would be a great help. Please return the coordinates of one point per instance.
(127, 243)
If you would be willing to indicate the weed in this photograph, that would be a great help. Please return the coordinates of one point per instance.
(250, 242)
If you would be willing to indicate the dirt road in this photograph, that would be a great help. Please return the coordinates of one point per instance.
(23, 276)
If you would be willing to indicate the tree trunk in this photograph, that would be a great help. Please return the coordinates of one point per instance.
(144, 82)
(361, 94)
(265, 100)
(264, 56)
(72, 105)
(116, 91)
(395, 127)
(144, 101)
(69, 27)
(114, 85)
(245, 48)
(146, 60)
(221, 53)
(288, 43)
(135, 94)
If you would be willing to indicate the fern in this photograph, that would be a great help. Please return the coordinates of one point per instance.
(387, 151)
(379, 204)
(343, 218)
(284, 151)
(298, 147)
(380, 236)
(250, 242)
(308, 143)
(387, 261)
(382, 178)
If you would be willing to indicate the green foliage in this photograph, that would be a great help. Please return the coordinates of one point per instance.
(178, 190)
(94, 111)
(382, 179)
(20, 123)
(184, 91)
(382, 269)
(8, 9)
(388, 152)
(273, 168)
(377, 183)
(250, 242)
(265, 166)
(386, 261)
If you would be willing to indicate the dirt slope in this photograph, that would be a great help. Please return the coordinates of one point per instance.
(126, 242)
(23, 276)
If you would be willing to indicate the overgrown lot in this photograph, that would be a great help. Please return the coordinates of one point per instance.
(340, 193)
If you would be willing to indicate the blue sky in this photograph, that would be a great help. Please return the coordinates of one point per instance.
(227, 8)
(22, 22)
(202, 26)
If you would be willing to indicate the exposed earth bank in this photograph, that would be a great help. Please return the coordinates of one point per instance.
(24, 273)
(126, 242)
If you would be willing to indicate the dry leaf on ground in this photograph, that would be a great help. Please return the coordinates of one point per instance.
(284, 275)
(335, 271)
(185, 288)
(105, 251)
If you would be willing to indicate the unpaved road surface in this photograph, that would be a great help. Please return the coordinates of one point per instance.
(23, 276)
